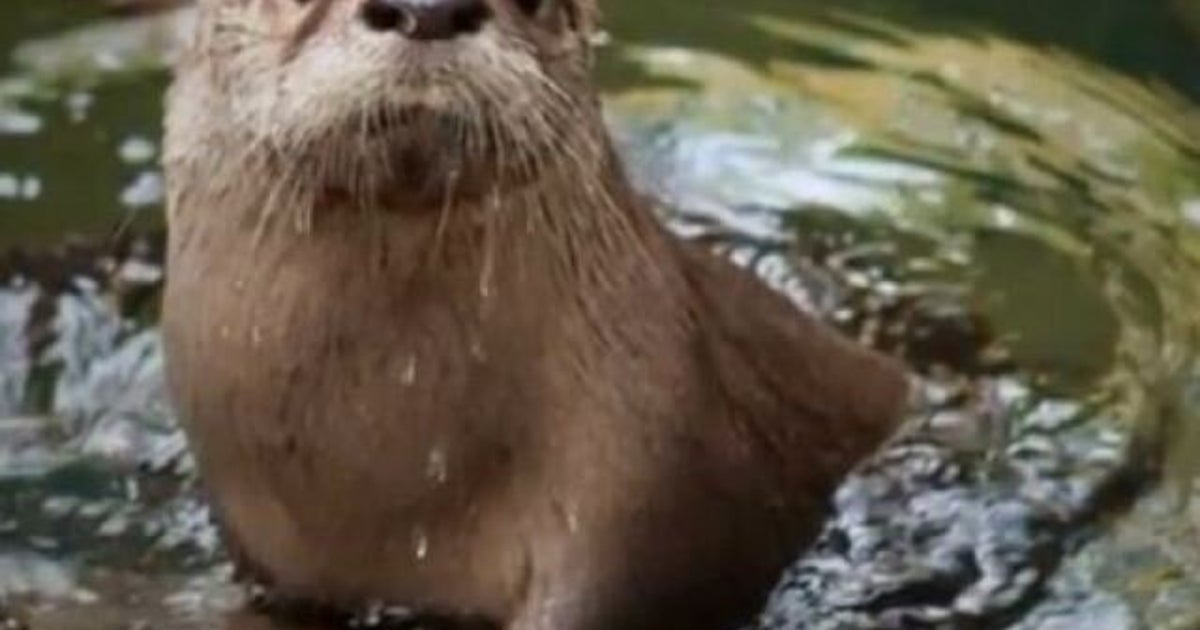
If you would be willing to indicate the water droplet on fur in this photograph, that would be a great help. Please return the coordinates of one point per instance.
(372, 616)
(477, 351)
(567, 513)
(420, 544)
(436, 467)
(409, 376)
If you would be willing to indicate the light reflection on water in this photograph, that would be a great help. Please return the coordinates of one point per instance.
(975, 204)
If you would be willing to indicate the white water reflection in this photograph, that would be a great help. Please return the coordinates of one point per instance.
(31, 574)
(15, 310)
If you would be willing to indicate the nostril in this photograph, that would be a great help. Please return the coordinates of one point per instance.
(381, 15)
(426, 19)
(529, 7)
(468, 17)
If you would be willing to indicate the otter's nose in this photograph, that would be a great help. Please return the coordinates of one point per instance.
(426, 19)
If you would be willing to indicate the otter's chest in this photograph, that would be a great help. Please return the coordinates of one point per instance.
(309, 365)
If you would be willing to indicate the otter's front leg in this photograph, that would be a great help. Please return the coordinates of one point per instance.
(708, 601)
(567, 611)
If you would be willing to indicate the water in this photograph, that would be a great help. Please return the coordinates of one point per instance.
(1007, 196)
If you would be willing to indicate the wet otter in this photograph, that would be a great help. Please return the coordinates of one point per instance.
(432, 350)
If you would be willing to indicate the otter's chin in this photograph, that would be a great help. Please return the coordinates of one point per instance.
(422, 157)
(410, 177)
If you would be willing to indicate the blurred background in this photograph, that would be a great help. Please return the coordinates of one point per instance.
(998, 192)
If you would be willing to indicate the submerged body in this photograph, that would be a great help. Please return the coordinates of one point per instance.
(432, 351)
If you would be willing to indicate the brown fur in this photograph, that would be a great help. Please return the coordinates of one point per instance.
(431, 349)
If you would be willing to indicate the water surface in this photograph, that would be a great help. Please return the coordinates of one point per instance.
(998, 193)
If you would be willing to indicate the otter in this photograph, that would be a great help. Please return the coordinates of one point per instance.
(432, 350)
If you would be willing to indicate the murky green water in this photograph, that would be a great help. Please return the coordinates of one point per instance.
(990, 189)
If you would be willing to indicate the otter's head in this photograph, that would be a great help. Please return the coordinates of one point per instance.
(371, 100)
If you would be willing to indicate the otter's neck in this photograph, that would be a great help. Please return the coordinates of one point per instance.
(566, 245)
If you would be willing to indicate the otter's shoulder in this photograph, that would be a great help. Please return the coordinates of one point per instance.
(768, 348)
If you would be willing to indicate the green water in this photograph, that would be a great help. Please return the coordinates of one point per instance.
(986, 188)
